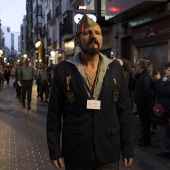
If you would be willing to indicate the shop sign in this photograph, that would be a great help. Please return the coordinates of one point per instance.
(154, 32)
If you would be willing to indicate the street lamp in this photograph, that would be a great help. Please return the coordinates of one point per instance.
(25, 55)
(37, 44)
(38, 51)
(1, 52)
(52, 53)
(5, 60)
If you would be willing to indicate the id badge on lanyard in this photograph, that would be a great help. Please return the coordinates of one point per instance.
(94, 104)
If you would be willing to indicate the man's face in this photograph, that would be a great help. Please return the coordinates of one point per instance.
(167, 72)
(150, 68)
(90, 40)
(138, 68)
(26, 62)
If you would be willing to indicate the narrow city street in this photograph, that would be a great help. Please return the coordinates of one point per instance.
(23, 139)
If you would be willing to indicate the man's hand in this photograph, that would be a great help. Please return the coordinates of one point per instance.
(19, 83)
(58, 163)
(127, 162)
(158, 76)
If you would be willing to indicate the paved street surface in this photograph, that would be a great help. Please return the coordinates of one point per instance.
(23, 140)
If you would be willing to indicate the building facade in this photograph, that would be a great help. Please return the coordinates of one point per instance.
(127, 28)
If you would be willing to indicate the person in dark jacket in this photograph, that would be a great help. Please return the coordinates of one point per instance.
(7, 75)
(143, 97)
(163, 97)
(90, 105)
(18, 86)
(44, 80)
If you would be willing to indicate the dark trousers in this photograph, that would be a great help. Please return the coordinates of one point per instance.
(7, 80)
(26, 90)
(145, 119)
(71, 165)
(38, 87)
(18, 90)
(44, 89)
(165, 133)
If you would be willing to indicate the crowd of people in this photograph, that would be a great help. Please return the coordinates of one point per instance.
(24, 76)
(147, 87)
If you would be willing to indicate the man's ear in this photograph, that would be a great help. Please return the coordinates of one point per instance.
(77, 41)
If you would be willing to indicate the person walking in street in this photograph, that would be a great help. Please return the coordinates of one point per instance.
(44, 80)
(143, 97)
(18, 85)
(13, 76)
(26, 76)
(90, 104)
(163, 97)
(38, 82)
(7, 75)
(1, 76)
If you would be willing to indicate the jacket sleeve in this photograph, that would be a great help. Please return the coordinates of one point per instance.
(163, 87)
(147, 86)
(54, 115)
(125, 119)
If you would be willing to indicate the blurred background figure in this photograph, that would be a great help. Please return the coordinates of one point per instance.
(18, 86)
(37, 78)
(26, 76)
(7, 74)
(112, 55)
(13, 78)
(143, 97)
(1, 76)
(152, 73)
(44, 83)
(163, 97)
(131, 84)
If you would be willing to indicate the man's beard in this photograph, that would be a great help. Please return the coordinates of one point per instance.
(90, 50)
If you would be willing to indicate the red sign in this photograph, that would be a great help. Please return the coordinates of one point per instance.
(115, 7)
(153, 32)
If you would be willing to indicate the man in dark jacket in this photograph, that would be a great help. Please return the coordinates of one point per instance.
(90, 105)
(143, 97)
